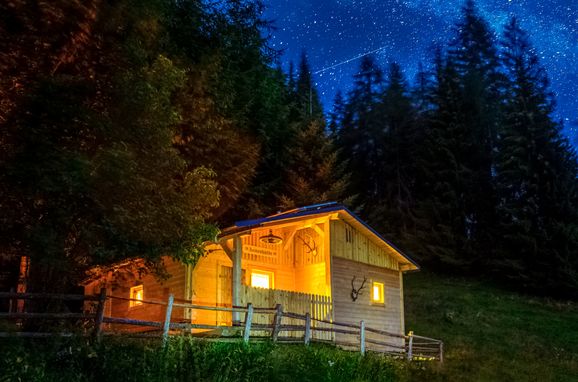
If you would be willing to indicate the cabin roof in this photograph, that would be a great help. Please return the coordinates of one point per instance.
(318, 209)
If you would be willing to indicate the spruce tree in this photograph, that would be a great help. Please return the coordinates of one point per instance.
(361, 135)
(337, 114)
(536, 177)
(398, 139)
(313, 173)
(440, 236)
(307, 98)
(475, 56)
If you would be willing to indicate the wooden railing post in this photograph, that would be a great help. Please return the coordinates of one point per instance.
(248, 319)
(362, 337)
(441, 352)
(277, 322)
(12, 303)
(167, 324)
(410, 346)
(307, 337)
(99, 317)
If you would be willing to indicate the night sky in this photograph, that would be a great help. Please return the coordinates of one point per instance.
(333, 31)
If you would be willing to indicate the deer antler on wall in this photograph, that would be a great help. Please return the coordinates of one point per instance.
(310, 248)
(355, 292)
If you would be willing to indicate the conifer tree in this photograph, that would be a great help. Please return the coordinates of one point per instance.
(361, 135)
(474, 54)
(536, 177)
(337, 114)
(313, 173)
(391, 212)
(440, 237)
(306, 96)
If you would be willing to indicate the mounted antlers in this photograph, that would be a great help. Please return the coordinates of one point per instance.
(312, 249)
(355, 292)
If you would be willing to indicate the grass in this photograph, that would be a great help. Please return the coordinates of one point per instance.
(189, 360)
(489, 335)
(493, 335)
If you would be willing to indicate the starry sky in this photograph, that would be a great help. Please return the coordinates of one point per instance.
(405, 31)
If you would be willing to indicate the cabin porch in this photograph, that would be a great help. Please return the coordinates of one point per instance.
(249, 268)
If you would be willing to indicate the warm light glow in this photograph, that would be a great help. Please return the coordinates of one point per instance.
(136, 293)
(377, 293)
(262, 279)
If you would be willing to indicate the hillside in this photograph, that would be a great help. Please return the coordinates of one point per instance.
(493, 335)
(489, 334)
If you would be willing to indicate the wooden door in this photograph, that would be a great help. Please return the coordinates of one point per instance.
(224, 294)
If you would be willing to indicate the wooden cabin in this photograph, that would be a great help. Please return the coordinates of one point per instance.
(321, 259)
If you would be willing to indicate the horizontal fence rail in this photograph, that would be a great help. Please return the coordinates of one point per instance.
(280, 327)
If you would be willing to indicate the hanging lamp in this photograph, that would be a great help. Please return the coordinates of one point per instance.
(271, 239)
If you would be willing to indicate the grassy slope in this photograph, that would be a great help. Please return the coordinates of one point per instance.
(493, 335)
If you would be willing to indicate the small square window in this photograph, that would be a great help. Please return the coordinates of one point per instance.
(136, 295)
(377, 293)
(262, 279)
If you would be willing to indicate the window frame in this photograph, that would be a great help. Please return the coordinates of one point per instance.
(381, 287)
(262, 272)
(133, 293)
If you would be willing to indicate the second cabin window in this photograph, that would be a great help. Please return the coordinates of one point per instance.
(136, 295)
(262, 279)
(348, 234)
(377, 293)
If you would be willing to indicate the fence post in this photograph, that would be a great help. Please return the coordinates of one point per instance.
(410, 347)
(277, 322)
(167, 324)
(441, 352)
(99, 317)
(362, 337)
(12, 302)
(248, 319)
(307, 337)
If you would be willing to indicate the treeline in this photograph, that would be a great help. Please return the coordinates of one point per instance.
(467, 169)
(135, 128)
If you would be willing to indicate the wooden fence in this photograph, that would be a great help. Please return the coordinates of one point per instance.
(320, 308)
(281, 326)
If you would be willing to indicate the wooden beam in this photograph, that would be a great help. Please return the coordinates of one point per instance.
(327, 257)
(289, 239)
(302, 223)
(237, 271)
(401, 303)
(227, 248)
(319, 231)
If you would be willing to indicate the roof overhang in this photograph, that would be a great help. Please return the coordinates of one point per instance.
(332, 211)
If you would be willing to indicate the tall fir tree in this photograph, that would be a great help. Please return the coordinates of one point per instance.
(474, 54)
(536, 178)
(360, 136)
(391, 212)
(313, 173)
(440, 237)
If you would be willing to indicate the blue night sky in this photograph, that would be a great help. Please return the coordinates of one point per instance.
(332, 31)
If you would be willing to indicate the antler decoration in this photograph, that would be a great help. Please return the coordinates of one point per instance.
(311, 249)
(355, 292)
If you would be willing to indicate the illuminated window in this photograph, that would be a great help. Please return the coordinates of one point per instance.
(377, 295)
(262, 279)
(136, 293)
